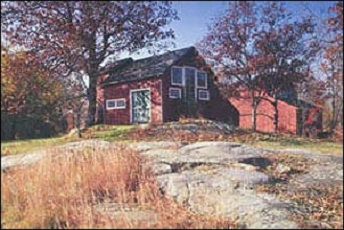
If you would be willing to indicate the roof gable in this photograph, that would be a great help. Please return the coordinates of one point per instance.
(126, 70)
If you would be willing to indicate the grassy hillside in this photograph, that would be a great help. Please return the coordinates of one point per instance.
(203, 132)
(74, 190)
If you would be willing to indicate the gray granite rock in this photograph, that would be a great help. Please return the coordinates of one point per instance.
(161, 168)
(222, 194)
(215, 178)
(21, 159)
(131, 213)
(281, 168)
(145, 146)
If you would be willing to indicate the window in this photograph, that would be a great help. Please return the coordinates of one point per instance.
(203, 95)
(175, 93)
(177, 75)
(189, 73)
(110, 104)
(115, 103)
(181, 76)
(202, 80)
(120, 103)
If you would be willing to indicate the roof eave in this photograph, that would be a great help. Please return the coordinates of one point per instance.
(130, 80)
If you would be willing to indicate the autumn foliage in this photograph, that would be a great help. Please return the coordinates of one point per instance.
(26, 88)
(78, 36)
(28, 92)
(332, 68)
(262, 49)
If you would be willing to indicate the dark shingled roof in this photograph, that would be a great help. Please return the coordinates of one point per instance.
(299, 103)
(126, 70)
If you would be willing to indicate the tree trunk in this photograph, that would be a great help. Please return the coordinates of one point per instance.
(13, 128)
(78, 122)
(93, 77)
(275, 117)
(254, 118)
(333, 120)
(254, 113)
(78, 111)
(92, 98)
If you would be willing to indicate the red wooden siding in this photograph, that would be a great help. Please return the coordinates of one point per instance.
(217, 108)
(291, 119)
(287, 115)
(116, 91)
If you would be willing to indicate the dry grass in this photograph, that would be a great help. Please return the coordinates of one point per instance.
(63, 190)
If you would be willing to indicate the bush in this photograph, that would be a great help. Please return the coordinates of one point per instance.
(14, 127)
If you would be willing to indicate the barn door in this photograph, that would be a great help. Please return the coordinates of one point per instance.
(140, 106)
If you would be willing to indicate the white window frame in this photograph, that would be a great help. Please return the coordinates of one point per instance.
(115, 101)
(203, 99)
(195, 77)
(177, 83)
(206, 80)
(179, 91)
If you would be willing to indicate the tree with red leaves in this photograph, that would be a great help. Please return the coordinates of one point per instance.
(262, 49)
(229, 43)
(332, 65)
(286, 49)
(78, 36)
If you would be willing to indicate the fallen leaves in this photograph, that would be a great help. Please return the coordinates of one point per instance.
(321, 204)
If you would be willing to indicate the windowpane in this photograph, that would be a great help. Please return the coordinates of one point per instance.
(203, 95)
(175, 93)
(201, 79)
(190, 73)
(177, 76)
(111, 104)
(120, 103)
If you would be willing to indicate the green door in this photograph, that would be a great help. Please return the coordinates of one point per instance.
(140, 106)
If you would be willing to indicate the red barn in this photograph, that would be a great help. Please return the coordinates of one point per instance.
(294, 116)
(162, 88)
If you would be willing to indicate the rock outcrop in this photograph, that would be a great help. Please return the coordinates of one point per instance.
(217, 178)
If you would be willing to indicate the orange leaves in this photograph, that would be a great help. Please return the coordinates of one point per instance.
(23, 83)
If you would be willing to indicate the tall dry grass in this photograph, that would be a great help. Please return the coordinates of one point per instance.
(63, 191)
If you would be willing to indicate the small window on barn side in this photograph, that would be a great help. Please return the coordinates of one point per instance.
(202, 80)
(175, 93)
(203, 95)
(177, 75)
(115, 103)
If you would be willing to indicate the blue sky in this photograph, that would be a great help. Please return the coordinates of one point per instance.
(196, 15)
